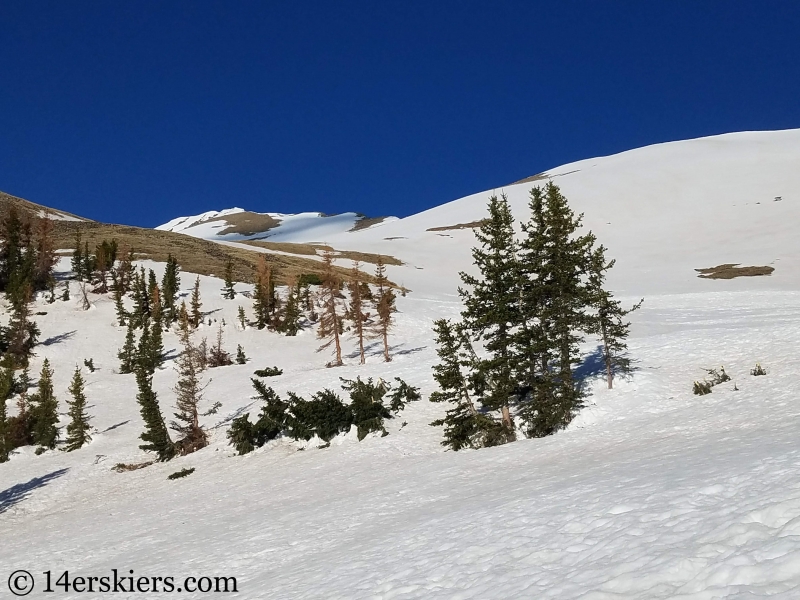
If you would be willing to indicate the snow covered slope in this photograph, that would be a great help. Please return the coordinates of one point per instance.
(652, 492)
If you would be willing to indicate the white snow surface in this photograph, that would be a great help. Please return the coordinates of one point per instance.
(651, 493)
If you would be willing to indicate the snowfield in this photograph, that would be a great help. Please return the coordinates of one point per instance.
(651, 493)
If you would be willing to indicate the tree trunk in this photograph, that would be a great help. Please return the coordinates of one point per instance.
(386, 345)
(336, 339)
(507, 418)
(361, 342)
(607, 357)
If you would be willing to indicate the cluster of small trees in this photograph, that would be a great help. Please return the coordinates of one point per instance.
(325, 415)
(36, 421)
(525, 314)
(367, 315)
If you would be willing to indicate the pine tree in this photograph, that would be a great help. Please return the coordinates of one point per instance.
(20, 426)
(229, 292)
(127, 355)
(241, 317)
(170, 286)
(155, 436)
(65, 294)
(357, 307)
(196, 305)
(45, 254)
(608, 321)
(329, 322)
(262, 296)
(464, 426)
(291, 312)
(189, 393)
(122, 314)
(23, 333)
(241, 358)
(6, 444)
(44, 408)
(78, 428)
(565, 265)
(77, 257)
(385, 307)
(218, 356)
(144, 351)
(491, 306)
(156, 338)
(141, 299)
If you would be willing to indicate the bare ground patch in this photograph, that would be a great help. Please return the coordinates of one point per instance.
(246, 223)
(470, 225)
(732, 270)
(311, 250)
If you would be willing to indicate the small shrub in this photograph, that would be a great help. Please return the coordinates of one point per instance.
(758, 370)
(89, 364)
(717, 377)
(701, 388)
(241, 358)
(124, 467)
(181, 473)
(269, 372)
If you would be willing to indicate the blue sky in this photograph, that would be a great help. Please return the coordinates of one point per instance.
(138, 112)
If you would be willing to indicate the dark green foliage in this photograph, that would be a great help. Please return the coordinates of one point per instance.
(155, 436)
(77, 257)
(366, 402)
(181, 473)
(246, 436)
(701, 388)
(141, 300)
(89, 364)
(240, 316)
(290, 324)
(170, 286)
(78, 428)
(128, 354)
(491, 305)
(122, 314)
(758, 370)
(228, 292)
(196, 317)
(324, 415)
(268, 372)
(21, 335)
(402, 394)
(241, 358)
(65, 293)
(464, 426)
(44, 408)
(309, 279)
(6, 390)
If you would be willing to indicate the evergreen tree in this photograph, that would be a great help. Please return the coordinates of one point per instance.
(6, 444)
(156, 327)
(491, 306)
(23, 333)
(88, 263)
(45, 254)
(170, 286)
(127, 355)
(155, 436)
(608, 321)
(65, 294)
(189, 393)
(357, 307)
(262, 295)
(141, 299)
(218, 356)
(229, 292)
(241, 358)
(291, 312)
(329, 322)
(122, 314)
(144, 351)
(44, 408)
(21, 426)
(78, 428)
(196, 316)
(77, 257)
(465, 427)
(385, 306)
(241, 317)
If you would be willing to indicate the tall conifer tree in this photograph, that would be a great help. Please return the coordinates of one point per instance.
(155, 435)
(78, 428)
(45, 409)
(330, 319)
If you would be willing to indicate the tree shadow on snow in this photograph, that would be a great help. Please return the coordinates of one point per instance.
(376, 349)
(237, 413)
(593, 366)
(115, 426)
(57, 339)
(17, 493)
